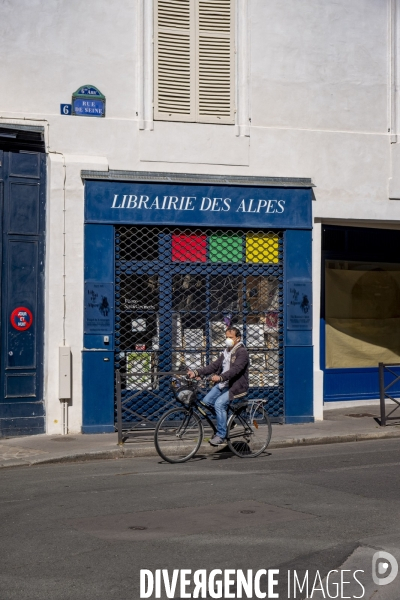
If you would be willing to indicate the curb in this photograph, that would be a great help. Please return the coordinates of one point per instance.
(148, 450)
(335, 439)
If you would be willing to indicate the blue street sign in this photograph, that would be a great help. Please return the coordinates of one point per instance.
(66, 109)
(88, 108)
(88, 90)
(88, 101)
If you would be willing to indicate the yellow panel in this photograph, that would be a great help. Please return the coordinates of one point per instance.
(262, 248)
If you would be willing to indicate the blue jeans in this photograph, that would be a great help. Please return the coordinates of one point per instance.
(220, 400)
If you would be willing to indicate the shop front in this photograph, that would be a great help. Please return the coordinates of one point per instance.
(360, 309)
(170, 262)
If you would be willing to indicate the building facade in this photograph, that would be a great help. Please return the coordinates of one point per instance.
(173, 166)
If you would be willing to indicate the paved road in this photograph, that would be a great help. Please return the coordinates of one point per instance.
(72, 531)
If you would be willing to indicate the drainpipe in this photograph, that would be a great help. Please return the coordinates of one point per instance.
(65, 384)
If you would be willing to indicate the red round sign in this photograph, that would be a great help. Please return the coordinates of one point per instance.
(21, 318)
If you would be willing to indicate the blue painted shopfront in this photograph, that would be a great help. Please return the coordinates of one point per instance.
(156, 211)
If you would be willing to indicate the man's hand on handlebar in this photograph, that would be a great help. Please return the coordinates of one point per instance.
(192, 375)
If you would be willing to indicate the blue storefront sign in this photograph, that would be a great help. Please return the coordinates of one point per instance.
(159, 203)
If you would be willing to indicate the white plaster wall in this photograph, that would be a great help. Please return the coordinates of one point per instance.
(319, 97)
(316, 300)
(320, 64)
(54, 299)
(51, 48)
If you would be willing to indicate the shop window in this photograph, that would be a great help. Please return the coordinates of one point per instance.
(362, 313)
(172, 312)
(188, 320)
(262, 248)
(225, 297)
(194, 61)
(137, 298)
(225, 248)
(334, 239)
(189, 247)
(262, 339)
(225, 309)
(188, 293)
(131, 245)
(138, 292)
(140, 367)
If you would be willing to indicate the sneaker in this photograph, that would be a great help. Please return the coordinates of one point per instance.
(216, 441)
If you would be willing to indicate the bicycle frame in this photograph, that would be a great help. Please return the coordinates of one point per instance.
(199, 409)
(197, 406)
(186, 425)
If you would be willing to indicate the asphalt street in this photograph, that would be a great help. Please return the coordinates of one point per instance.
(83, 531)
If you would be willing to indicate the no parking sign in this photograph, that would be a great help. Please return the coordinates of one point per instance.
(21, 318)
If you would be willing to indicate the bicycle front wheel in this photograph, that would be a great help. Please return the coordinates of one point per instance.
(250, 431)
(178, 435)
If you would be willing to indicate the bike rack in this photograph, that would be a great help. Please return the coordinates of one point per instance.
(383, 392)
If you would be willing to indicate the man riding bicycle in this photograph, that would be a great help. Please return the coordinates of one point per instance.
(231, 375)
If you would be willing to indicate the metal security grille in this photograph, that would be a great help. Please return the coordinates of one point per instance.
(177, 289)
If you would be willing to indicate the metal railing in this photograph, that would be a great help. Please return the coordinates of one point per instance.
(156, 389)
(143, 397)
(384, 395)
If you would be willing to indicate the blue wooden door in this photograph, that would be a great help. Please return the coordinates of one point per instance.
(22, 201)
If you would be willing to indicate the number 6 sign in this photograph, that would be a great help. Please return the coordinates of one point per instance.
(65, 109)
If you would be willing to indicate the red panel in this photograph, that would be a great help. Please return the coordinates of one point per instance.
(192, 248)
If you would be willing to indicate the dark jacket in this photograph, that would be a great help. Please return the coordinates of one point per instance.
(238, 374)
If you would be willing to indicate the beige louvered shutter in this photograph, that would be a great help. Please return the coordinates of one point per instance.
(215, 61)
(175, 60)
(194, 61)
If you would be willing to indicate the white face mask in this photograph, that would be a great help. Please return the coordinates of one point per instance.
(229, 343)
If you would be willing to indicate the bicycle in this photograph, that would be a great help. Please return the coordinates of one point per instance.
(179, 433)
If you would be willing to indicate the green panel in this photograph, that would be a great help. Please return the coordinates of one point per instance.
(225, 248)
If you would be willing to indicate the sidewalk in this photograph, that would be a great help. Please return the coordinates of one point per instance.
(338, 426)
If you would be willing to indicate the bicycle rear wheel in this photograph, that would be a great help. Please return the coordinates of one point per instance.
(178, 435)
(250, 430)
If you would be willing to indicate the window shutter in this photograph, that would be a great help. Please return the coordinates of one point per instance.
(215, 61)
(194, 60)
(175, 61)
